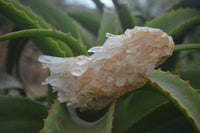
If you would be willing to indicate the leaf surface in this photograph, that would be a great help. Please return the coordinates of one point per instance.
(159, 118)
(53, 15)
(20, 115)
(109, 24)
(22, 20)
(184, 97)
(65, 120)
(193, 76)
(99, 5)
(126, 19)
(88, 21)
(177, 125)
(171, 20)
(187, 4)
(176, 23)
(134, 106)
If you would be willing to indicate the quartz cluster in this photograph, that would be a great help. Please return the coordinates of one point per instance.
(122, 64)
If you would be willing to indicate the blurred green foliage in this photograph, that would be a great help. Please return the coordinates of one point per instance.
(165, 104)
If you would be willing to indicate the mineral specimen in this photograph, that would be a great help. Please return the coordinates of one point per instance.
(122, 64)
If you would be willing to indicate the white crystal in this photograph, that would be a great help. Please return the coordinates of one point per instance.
(109, 35)
(122, 64)
(95, 49)
(78, 71)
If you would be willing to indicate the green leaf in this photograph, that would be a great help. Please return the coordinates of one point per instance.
(185, 98)
(109, 24)
(158, 118)
(20, 115)
(41, 23)
(30, 14)
(126, 19)
(88, 21)
(53, 15)
(187, 4)
(176, 22)
(179, 32)
(46, 45)
(65, 120)
(193, 76)
(72, 43)
(99, 5)
(177, 125)
(87, 37)
(51, 96)
(195, 35)
(170, 20)
(135, 106)
(14, 50)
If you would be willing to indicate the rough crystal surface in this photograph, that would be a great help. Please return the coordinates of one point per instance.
(122, 64)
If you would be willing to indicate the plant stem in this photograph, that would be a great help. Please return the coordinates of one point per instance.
(126, 18)
(74, 44)
(70, 41)
(186, 47)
